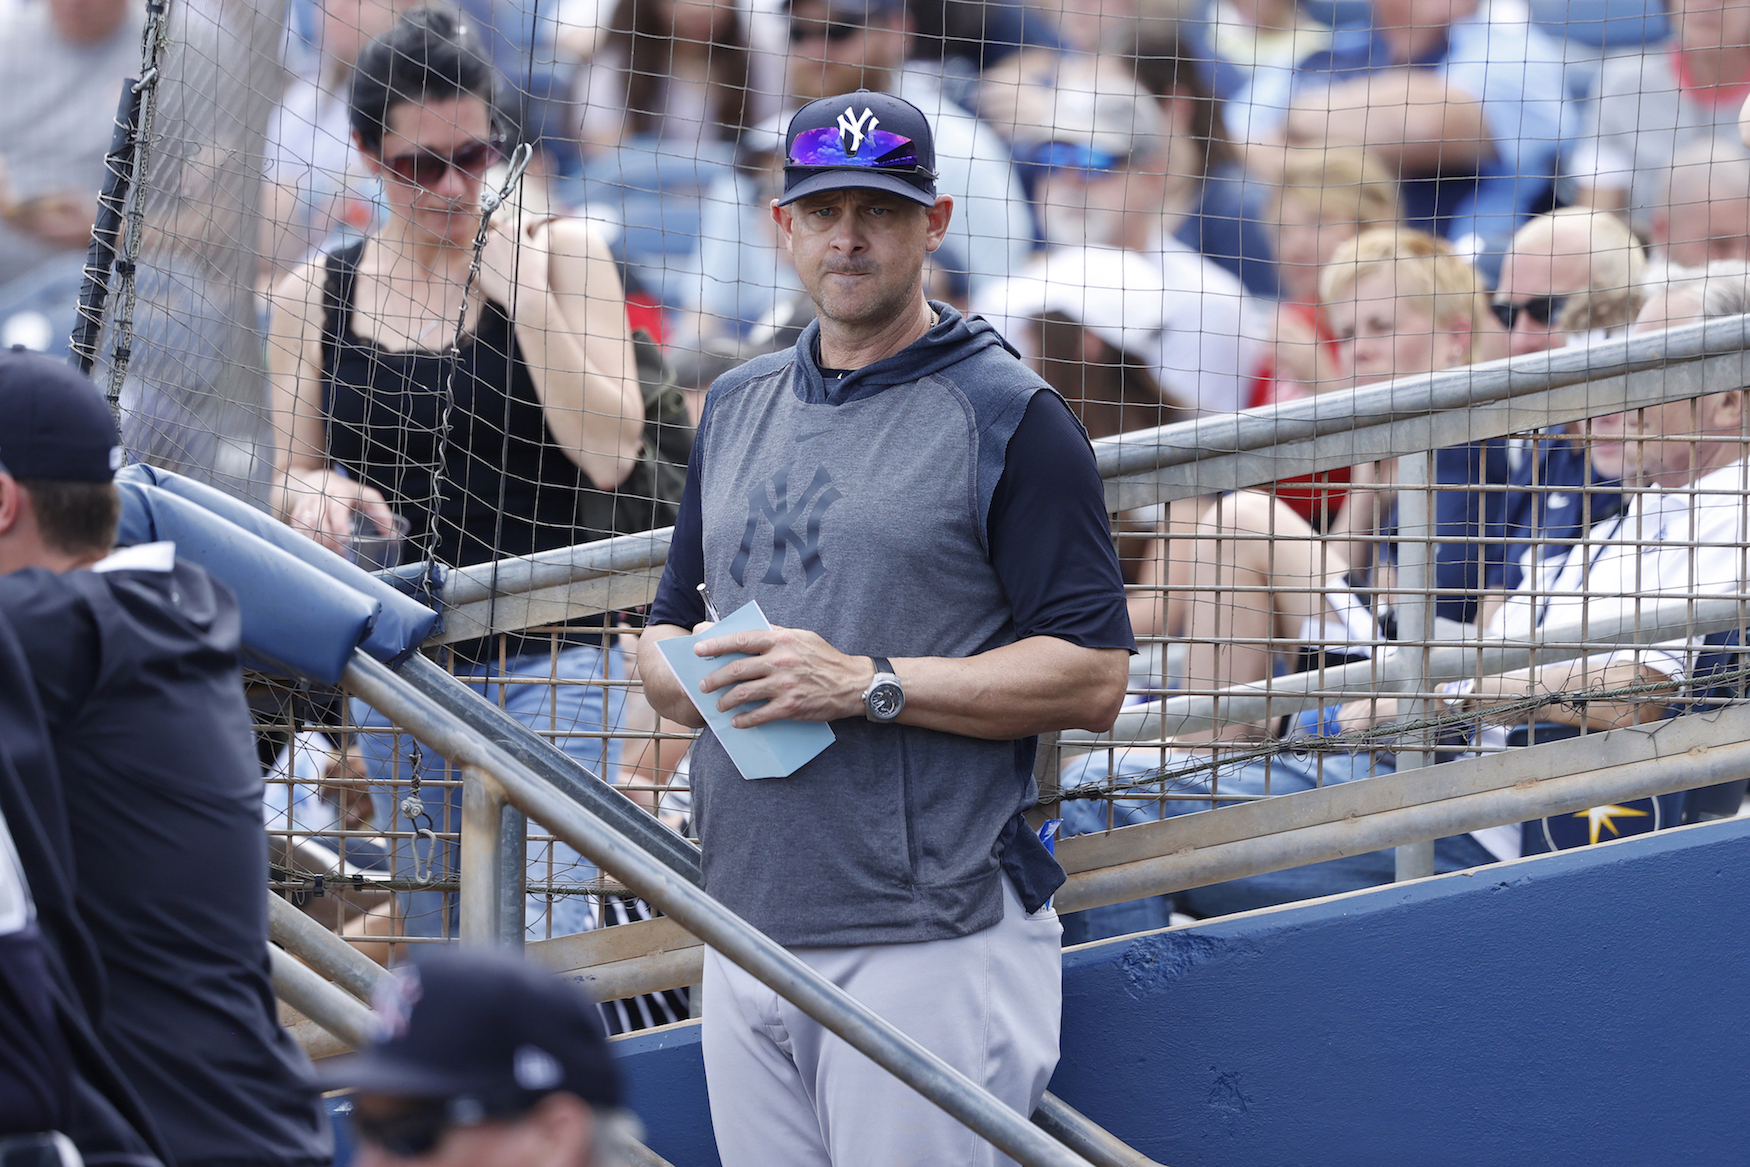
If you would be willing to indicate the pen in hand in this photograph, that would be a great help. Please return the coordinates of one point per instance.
(710, 608)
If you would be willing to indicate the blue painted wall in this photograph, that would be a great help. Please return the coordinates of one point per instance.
(665, 1086)
(1588, 1008)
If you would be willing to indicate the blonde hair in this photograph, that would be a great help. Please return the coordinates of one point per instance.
(1616, 265)
(1343, 183)
(1425, 270)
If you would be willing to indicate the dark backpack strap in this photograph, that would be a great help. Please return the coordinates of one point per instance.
(338, 286)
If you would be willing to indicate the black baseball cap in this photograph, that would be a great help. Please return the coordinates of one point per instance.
(863, 140)
(53, 421)
(485, 1030)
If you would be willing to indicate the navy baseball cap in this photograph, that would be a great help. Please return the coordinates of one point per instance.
(485, 1030)
(863, 140)
(54, 423)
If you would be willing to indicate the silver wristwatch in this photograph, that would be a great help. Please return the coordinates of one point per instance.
(884, 697)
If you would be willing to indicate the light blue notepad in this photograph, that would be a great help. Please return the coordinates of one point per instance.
(776, 749)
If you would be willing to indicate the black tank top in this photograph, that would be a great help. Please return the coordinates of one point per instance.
(506, 487)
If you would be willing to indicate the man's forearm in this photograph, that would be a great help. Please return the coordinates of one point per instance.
(661, 687)
(1036, 685)
(1412, 120)
(1594, 674)
(1032, 686)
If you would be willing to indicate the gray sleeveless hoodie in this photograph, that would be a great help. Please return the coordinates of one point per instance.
(862, 518)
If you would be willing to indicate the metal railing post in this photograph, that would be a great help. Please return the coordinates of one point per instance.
(737, 940)
(482, 857)
(1415, 613)
(512, 883)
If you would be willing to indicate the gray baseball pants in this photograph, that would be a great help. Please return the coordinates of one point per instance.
(786, 1093)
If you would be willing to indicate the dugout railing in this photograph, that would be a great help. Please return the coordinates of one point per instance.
(505, 767)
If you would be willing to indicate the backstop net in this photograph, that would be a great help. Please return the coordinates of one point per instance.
(1270, 255)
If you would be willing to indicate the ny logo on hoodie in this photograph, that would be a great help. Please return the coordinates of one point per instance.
(795, 526)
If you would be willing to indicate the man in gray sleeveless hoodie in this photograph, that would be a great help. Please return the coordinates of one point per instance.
(921, 521)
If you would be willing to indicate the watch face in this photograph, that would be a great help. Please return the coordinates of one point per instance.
(885, 701)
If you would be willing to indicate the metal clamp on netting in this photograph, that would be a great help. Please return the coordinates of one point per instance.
(413, 810)
(490, 202)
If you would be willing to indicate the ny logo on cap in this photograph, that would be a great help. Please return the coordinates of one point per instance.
(852, 131)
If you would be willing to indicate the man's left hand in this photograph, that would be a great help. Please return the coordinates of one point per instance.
(797, 673)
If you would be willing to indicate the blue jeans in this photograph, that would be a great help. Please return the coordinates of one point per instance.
(543, 707)
(1280, 774)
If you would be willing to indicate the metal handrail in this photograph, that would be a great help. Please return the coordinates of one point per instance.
(1172, 462)
(737, 940)
(1243, 704)
(1231, 451)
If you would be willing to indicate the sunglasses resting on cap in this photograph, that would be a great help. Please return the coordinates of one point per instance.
(860, 140)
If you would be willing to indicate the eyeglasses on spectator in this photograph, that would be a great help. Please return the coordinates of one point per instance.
(832, 30)
(427, 168)
(1074, 157)
(1542, 309)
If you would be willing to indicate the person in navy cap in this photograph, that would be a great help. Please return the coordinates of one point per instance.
(483, 1060)
(134, 656)
(922, 522)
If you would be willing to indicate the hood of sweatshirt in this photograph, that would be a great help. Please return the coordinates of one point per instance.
(953, 339)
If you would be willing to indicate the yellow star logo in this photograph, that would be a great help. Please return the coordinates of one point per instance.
(1606, 816)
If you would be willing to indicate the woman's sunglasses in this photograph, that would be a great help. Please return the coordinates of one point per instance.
(427, 168)
(1542, 309)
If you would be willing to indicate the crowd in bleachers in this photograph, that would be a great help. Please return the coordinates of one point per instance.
(660, 121)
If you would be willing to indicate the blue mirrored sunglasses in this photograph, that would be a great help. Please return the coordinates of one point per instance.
(878, 150)
(1073, 156)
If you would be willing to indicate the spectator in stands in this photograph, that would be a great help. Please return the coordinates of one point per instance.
(1220, 211)
(1397, 303)
(1703, 214)
(318, 189)
(1682, 537)
(674, 70)
(1209, 203)
(548, 416)
(486, 1061)
(1570, 273)
(1645, 106)
(1107, 170)
(1325, 198)
(969, 37)
(539, 48)
(135, 659)
(741, 273)
(1266, 35)
(62, 64)
(1465, 110)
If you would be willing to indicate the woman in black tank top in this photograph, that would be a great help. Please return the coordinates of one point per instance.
(543, 403)
(544, 407)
